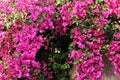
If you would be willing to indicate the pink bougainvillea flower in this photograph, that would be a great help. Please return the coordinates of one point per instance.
(80, 45)
(117, 35)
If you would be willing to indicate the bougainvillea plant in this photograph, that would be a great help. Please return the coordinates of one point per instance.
(43, 39)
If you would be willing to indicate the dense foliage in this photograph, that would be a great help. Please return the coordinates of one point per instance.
(43, 39)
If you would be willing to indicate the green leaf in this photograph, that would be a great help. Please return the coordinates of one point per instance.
(63, 2)
(76, 61)
(55, 66)
(15, 16)
(28, 21)
(6, 65)
(65, 66)
(56, 50)
(7, 25)
(99, 1)
(99, 29)
(5, 18)
(57, 2)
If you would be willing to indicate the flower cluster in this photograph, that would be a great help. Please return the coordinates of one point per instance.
(20, 40)
(113, 53)
(88, 56)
